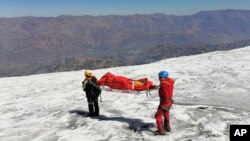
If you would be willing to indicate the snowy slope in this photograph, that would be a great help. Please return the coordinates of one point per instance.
(211, 92)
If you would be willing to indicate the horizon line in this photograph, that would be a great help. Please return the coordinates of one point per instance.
(97, 15)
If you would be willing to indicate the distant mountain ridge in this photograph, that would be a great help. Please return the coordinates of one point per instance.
(28, 41)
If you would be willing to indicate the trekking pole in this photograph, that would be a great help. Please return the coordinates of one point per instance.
(101, 98)
(150, 93)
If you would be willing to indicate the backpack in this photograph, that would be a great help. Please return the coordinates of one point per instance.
(97, 91)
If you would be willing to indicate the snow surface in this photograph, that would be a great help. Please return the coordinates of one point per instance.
(211, 92)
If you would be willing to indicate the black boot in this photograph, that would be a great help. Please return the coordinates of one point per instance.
(90, 115)
(159, 132)
(167, 126)
(91, 110)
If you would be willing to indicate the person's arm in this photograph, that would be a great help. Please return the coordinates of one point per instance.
(84, 83)
(93, 82)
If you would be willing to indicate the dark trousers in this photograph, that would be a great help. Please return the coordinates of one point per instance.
(93, 105)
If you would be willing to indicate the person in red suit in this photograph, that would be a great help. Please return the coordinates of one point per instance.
(165, 94)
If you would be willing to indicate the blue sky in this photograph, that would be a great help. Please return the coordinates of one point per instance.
(47, 8)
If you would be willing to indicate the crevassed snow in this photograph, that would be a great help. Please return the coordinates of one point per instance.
(211, 92)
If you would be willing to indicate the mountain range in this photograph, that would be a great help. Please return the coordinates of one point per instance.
(31, 45)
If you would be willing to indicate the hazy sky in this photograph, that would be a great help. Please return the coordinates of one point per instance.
(15, 8)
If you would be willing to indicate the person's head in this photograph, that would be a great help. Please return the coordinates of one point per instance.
(88, 73)
(163, 75)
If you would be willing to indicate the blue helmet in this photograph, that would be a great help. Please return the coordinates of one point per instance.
(163, 74)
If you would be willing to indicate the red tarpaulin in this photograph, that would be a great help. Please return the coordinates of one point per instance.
(123, 83)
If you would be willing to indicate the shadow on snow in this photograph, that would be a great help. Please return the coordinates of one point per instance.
(137, 125)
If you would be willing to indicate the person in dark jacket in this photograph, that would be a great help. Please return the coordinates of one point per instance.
(165, 94)
(90, 88)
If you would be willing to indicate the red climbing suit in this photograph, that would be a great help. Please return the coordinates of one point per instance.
(165, 94)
